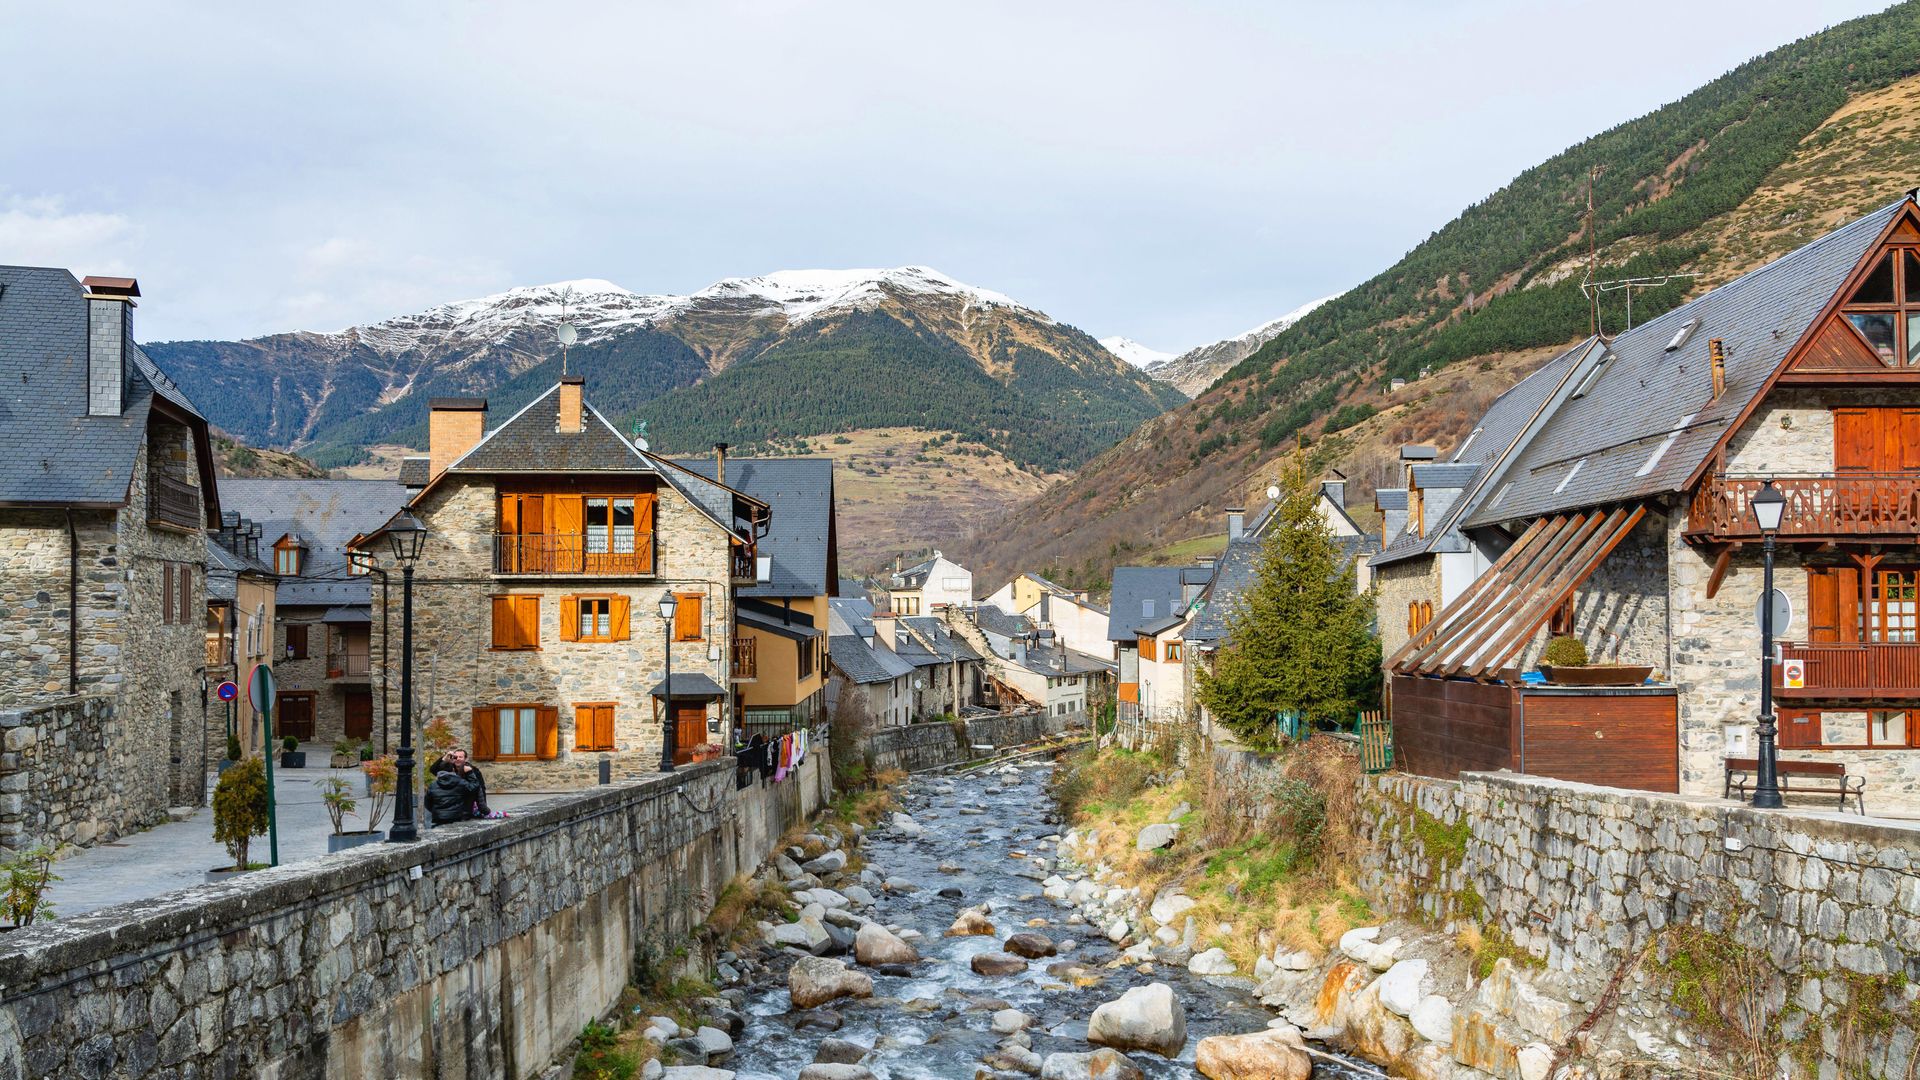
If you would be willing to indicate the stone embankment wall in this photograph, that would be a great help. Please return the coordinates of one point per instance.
(62, 771)
(917, 747)
(480, 951)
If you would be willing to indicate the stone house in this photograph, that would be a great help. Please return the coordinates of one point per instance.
(1077, 621)
(935, 583)
(240, 627)
(1620, 514)
(106, 486)
(326, 684)
(552, 542)
(1030, 662)
(872, 677)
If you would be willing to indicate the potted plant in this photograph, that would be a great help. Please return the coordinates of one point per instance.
(707, 752)
(25, 878)
(365, 753)
(291, 756)
(345, 753)
(1565, 662)
(382, 774)
(233, 754)
(337, 794)
(239, 814)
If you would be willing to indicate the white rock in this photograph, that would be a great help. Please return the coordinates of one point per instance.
(1293, 960)
(1403, 985)
(1154, 837)
(1008, 1021)
(830, 863)
(1166, 935)
(1433, 1019)
(715, 1042)
(651, 1070)
(694, 1072)
(1212, 962)
(875, 945)
(1384, 954)
(1146, 1017)
(1263, 969)
(1535, 1059)
(1117, 932)
(1169, 906)
(1139, 953)
(858, 896)
(906, 825)
(1358, 942)
(1102, 1064)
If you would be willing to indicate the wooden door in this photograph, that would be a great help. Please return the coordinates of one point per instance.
(293, 715)
(569, 533)
(359, 707)
(689, 729)
(1880, 440)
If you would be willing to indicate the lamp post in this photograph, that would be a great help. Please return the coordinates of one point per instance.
(668, 605)
(407, 535)
(1768, 507)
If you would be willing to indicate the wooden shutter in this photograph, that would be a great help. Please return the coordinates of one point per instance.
(569, 530)
(603, 727)
(643, 517)
(687, 619)
(583, 727)
(166, 592)
(570, 618)
(486, 733)
(619, 613)
(527, 617)
(186, 592)
(1823, 603)
(546, 733)
(504, 626)
(1800, 728)
(1855, 440)
(1906, 441)
(296, 642)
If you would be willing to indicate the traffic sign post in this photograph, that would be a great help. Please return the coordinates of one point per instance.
(260, 694)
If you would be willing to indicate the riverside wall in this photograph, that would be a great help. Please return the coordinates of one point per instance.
(918, 747)
(478, 952)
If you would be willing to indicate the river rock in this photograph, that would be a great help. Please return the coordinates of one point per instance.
(1433, 1019)
(787, 868)
(1030, 945)
(846, 920)
(839, 1052)
(1295, 960)
(875, 945)
(1402, 986)
(1212, 962)
(1014, 1058)
(972, 921)
(858, 896)
(839, 940)
(1146, 1017)
(1102, 1064)
(1535, 1060)
(1169, 906)
(1274, 1054)
(1358, 942)
(816, 981)
(899, 885)
(906, 826)
(998, 963)
(830, 863)
(694, 1072)
(1155, 837)
(1263, 969)
(826, 1071)
(715, 1043)
(809, 933)
(1117, 932)
(1008, 1021)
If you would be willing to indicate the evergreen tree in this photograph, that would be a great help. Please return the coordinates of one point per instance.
(1301, 637)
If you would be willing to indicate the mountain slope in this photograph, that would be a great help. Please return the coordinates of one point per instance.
(1133, 352)
(1715, 183)
(745, 360)
(1193, 371)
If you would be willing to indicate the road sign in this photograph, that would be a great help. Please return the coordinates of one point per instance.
(1794, 674)
(227, 691)
(1782, 613)
(260, 687)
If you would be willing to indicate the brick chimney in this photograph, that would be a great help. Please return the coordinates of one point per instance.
(454, 425)
(884, 625)
(109, 329)
(572, 389)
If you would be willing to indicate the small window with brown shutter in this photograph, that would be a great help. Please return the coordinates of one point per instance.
(296, 642)
(688, 622)
(516, 732)
(516, 622)
(596, 617)
(593, 726)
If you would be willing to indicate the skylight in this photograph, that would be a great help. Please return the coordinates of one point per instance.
(1681, 336)
(1660, 451)
(1571, 473)
(1461, 453)
(1593, 374)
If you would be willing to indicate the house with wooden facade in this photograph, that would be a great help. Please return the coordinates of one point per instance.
(552, 542)
(1620, 512)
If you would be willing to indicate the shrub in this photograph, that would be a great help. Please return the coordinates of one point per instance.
(382, 773)
(240, 808)
(847, 744)
(25, 878)
(366, 751)
(1564, 651)
(343, 748)
(233, 748)
(289, 744)
(337, 794)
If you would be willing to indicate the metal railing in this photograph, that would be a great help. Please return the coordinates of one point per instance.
(1818, 505)
(172, 502)
(573, 553)
(341, 665)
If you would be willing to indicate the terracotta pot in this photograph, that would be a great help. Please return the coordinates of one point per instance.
(1597, 674)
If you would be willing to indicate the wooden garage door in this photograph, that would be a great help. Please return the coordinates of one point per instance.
(1628, 741)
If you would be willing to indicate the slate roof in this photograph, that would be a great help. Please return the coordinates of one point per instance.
(1390, 498)
(799, 630)
(51, 451)
(1135, 585)
(1650, 420)
(849, 615)
(689, 684)
(991, 619)
(324, 592)
(326, 514)
(1234, 573)
(863, 663)
(800, 535)
(416, 471)
(1056, 662)
(914, 576)
(947, 646)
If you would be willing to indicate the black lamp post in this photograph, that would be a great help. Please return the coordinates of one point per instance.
(1768, 506)
(407, 536)
(668, 605)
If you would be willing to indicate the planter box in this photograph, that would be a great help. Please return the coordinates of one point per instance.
(343, 761)
(343, 840)
(293, 759)
(1597, 674)
(225, 873)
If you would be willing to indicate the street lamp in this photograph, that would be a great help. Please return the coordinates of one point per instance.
(406, 535)
(669, 604)
(1768, 506)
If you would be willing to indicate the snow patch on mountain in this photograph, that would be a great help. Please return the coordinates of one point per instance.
(1135, 353)
(802, 294)
(1196, 369)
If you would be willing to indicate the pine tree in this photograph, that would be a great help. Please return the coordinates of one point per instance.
(1301, 637)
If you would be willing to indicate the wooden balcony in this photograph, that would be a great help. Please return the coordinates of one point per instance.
(746, 659)
(743, 565)
(567, 555)
(1875, 670)
(172, 502)
(1823, 507)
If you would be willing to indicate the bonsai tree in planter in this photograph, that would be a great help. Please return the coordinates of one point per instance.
(240, 809)
(292, 757)
(25, 878)
(382, 773)
(337, 794)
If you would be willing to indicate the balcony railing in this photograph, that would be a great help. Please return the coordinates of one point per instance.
(746, 659)
(1852, 669)
(562, 553)
(172, 502)
(744, 565)
(348, 665)
(1835, 505)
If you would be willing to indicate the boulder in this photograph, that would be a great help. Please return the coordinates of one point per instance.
(906, 826)
(1030, 945)
(816, 981)
(1384, 954)
(1536, 1060)
(1117, 932)
(1273, 1054)
(839, 1052)
(1433, 1019)
(1212, 962)
(899, 885)
(787, 868)
(831, 863)
(1155, 837)
(714, 1042)
(858, 896)
(828, 1071)
(1008, 1021)
(1358, 942)
(694, 1072)
(972, 921)
(1296, 960)
(1102, 1064)
(1012, 1057)
(1402, 986)
(1146, 1017)
(809, 933)
(875, 945)
(998, 963)
(1169, 906)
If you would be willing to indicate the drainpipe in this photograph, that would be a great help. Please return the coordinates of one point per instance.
(73, 606)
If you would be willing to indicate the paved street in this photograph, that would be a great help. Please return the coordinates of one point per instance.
(177, 854)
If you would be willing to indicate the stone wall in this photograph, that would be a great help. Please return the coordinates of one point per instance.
(1397, 585)
(63, 771)
(918, 747)
(480, 951)
(1620, 611)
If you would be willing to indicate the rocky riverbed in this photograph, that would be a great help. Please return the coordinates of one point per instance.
(945, 957)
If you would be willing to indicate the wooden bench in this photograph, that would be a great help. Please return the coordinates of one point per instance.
(1818, 777)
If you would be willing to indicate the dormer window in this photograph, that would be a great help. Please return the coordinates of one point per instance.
(1885, 309)
(289, 557)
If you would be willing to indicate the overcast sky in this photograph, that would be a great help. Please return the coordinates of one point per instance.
(1175, 173)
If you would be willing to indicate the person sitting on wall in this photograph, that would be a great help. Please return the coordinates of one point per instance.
(450, 797)
(455, 760)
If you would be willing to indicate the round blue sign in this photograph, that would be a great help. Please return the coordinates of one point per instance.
(228, 690)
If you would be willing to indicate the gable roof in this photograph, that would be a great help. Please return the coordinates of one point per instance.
(1649, 422)
(1134, 587)
(800, 535)
(991, 619)
(326, 515)
(51, 451)
(864, 663)
(914, 576)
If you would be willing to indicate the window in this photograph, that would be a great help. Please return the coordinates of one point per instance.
(605, 617)
(1173, 652)
(296, 642)
(1885, 309)
(359, 563)
(610, 528)
(1562, 620)
(515, 732)
(593, 726)
(688, 622)
(1892, 614)
(905, 605)
(806, 658)
(1841, 729)
(516, 622)
(287, 557)
(1419, 614)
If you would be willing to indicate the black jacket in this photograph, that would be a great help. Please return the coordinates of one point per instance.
(480, 808)
(451, 797)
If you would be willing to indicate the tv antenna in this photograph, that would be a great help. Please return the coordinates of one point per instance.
(568, 335)
(1593, 289)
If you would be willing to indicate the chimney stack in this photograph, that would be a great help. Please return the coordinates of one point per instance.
(109, 329)
(1236, 523)
(1335, 490)
(572, 389)
(1020, 649)
(720, 462)
(454, 426)
(884, 624)
(1717, 360)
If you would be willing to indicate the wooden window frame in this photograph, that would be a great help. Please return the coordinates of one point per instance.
(493, 622)
(1174, 649)
(699, 601)
(288, 558)
(1901, 309)
(579, 616)
(545, 725)
(1789, 716)
(595, 745)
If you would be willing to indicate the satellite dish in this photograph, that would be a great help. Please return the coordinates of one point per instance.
(568, 335)
(1273, 491)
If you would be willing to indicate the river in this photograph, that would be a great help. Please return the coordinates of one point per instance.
(936, 1022)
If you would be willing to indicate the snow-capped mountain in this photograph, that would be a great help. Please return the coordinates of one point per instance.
(1193, 371)
(1135, 353)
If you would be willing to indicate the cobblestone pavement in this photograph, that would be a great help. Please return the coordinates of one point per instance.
(177, 854)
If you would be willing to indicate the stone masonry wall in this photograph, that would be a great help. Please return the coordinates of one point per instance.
(1620, 611)
(1399, 584)
(62, 773)
(918, 747)
(478, 952)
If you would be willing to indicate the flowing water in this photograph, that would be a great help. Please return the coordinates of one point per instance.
(936, 1023)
